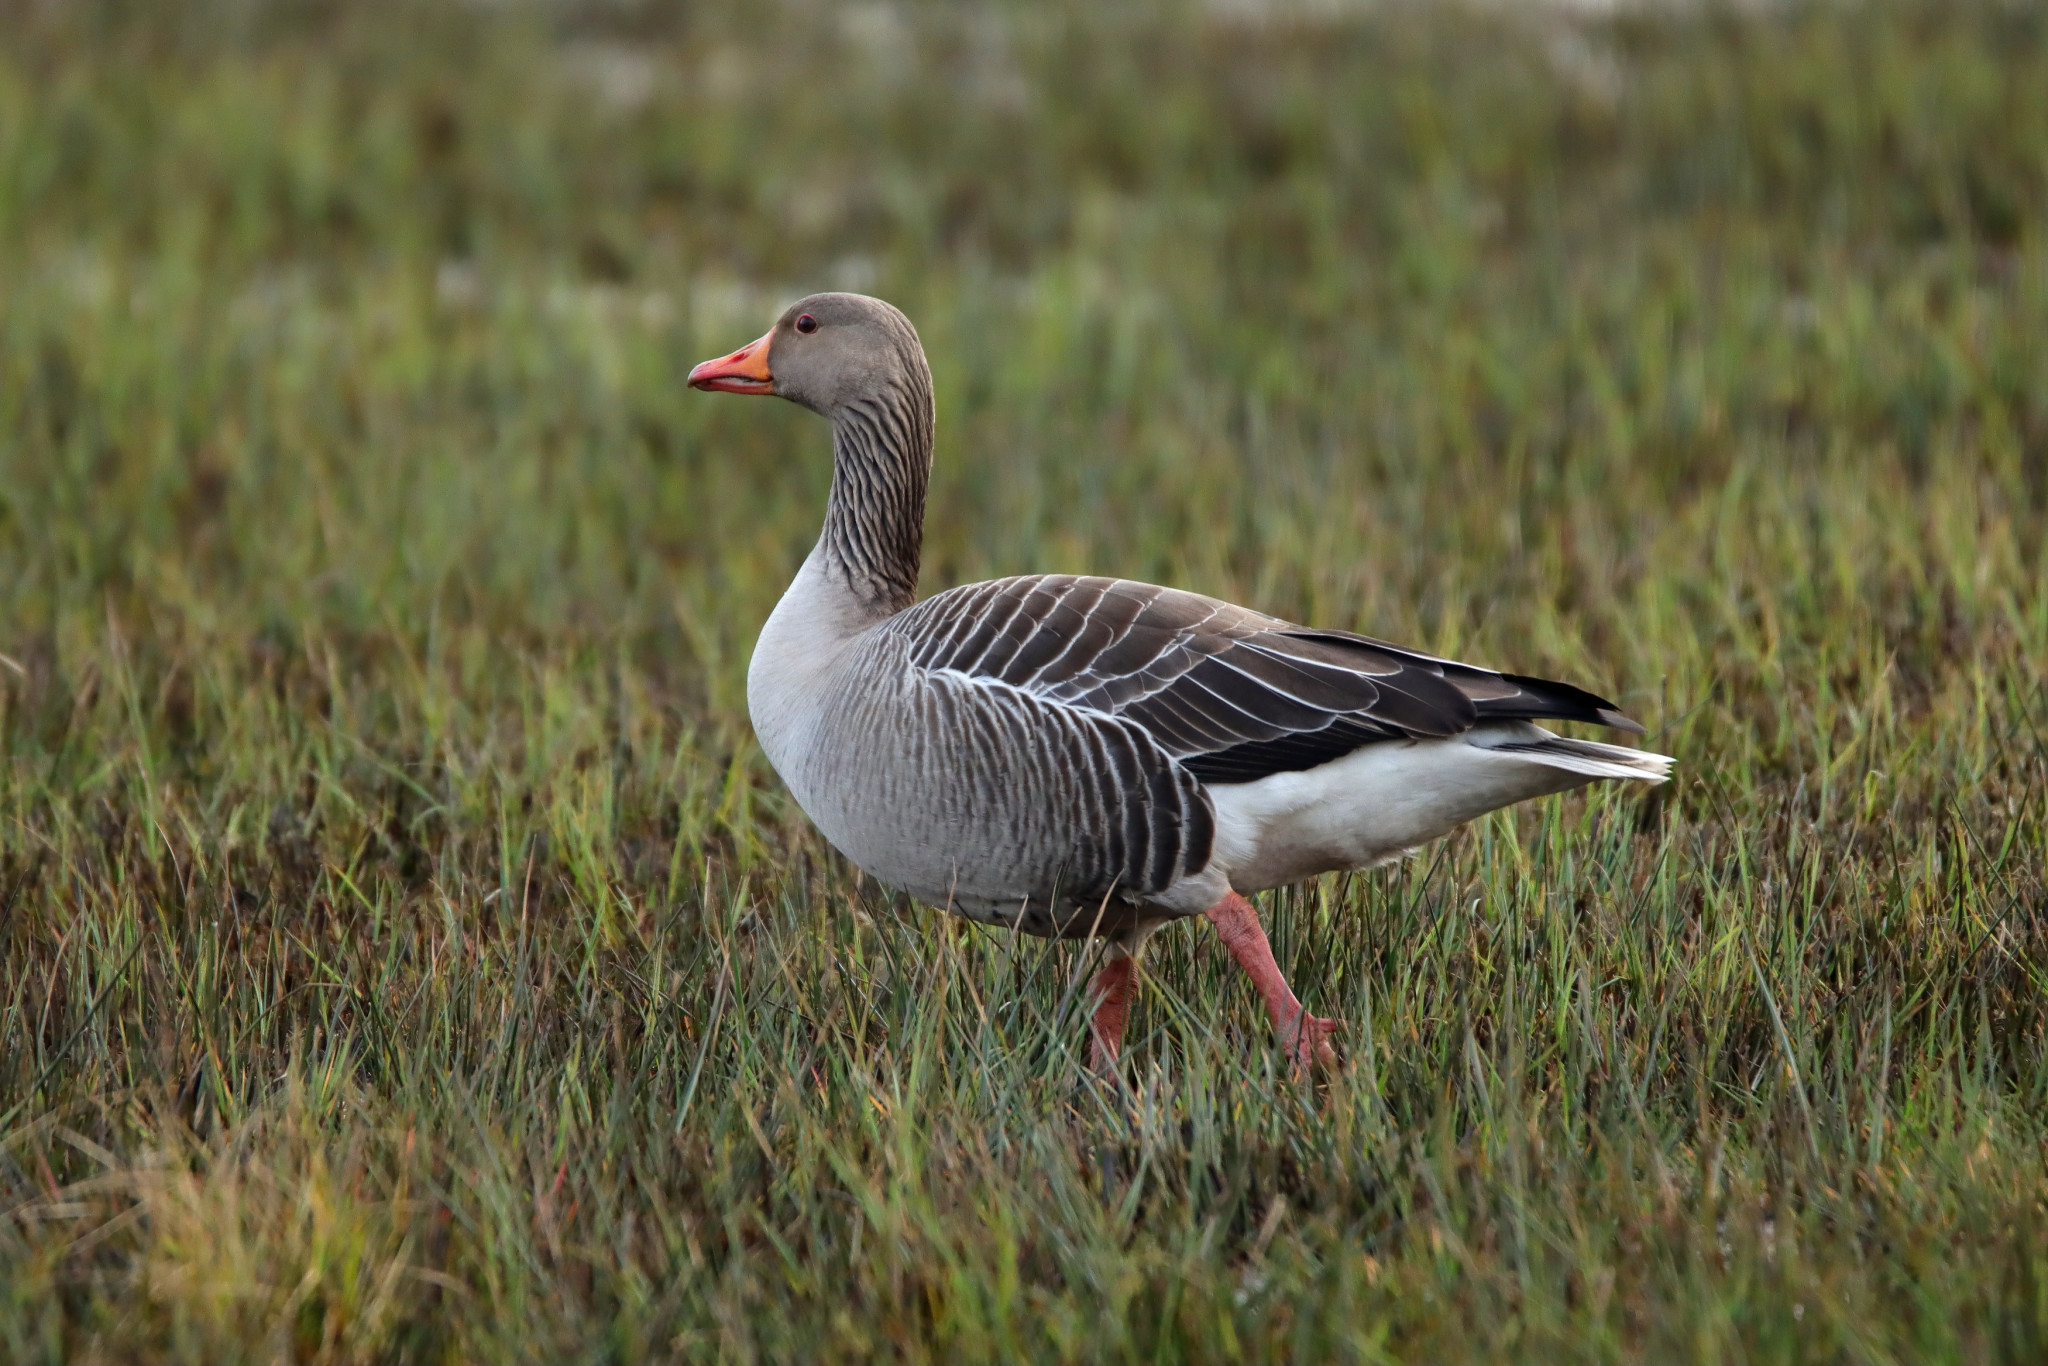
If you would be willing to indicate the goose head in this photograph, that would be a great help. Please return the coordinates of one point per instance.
(826, 352)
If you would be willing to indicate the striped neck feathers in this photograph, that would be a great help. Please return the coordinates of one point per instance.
(882, 460)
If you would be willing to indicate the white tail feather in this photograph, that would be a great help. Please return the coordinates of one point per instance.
(1593, 759)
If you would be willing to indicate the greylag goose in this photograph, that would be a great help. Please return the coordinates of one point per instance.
(1091, 757)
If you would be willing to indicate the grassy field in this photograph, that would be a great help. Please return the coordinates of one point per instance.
(406, 954)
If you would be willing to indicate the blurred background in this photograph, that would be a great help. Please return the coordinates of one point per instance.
(1437, 320)
(375, 603)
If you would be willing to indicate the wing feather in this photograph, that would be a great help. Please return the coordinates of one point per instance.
(1230, 693)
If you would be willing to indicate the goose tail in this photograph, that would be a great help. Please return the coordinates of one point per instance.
(1588, 758)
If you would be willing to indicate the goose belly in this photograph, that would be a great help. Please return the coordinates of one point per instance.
(996, 858)
(923, 841)
(1372, 805)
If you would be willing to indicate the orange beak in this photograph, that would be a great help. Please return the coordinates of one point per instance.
(745, 371)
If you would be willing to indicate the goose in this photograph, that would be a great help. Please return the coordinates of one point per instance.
(1081, 757)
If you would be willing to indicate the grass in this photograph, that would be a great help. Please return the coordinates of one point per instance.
(405, 953)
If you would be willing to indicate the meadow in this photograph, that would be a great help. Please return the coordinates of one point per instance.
(407, 955)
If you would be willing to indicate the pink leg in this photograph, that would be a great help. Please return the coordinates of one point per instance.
(1111, 991)
(1307, 1038)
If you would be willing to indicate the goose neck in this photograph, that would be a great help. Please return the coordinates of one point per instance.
(874, 523)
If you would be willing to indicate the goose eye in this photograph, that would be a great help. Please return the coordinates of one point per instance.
(806, 323)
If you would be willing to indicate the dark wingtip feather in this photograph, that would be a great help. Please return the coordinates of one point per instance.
(1543, 699)
(1626, 725)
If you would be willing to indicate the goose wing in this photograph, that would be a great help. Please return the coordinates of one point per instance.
(1232, 694)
